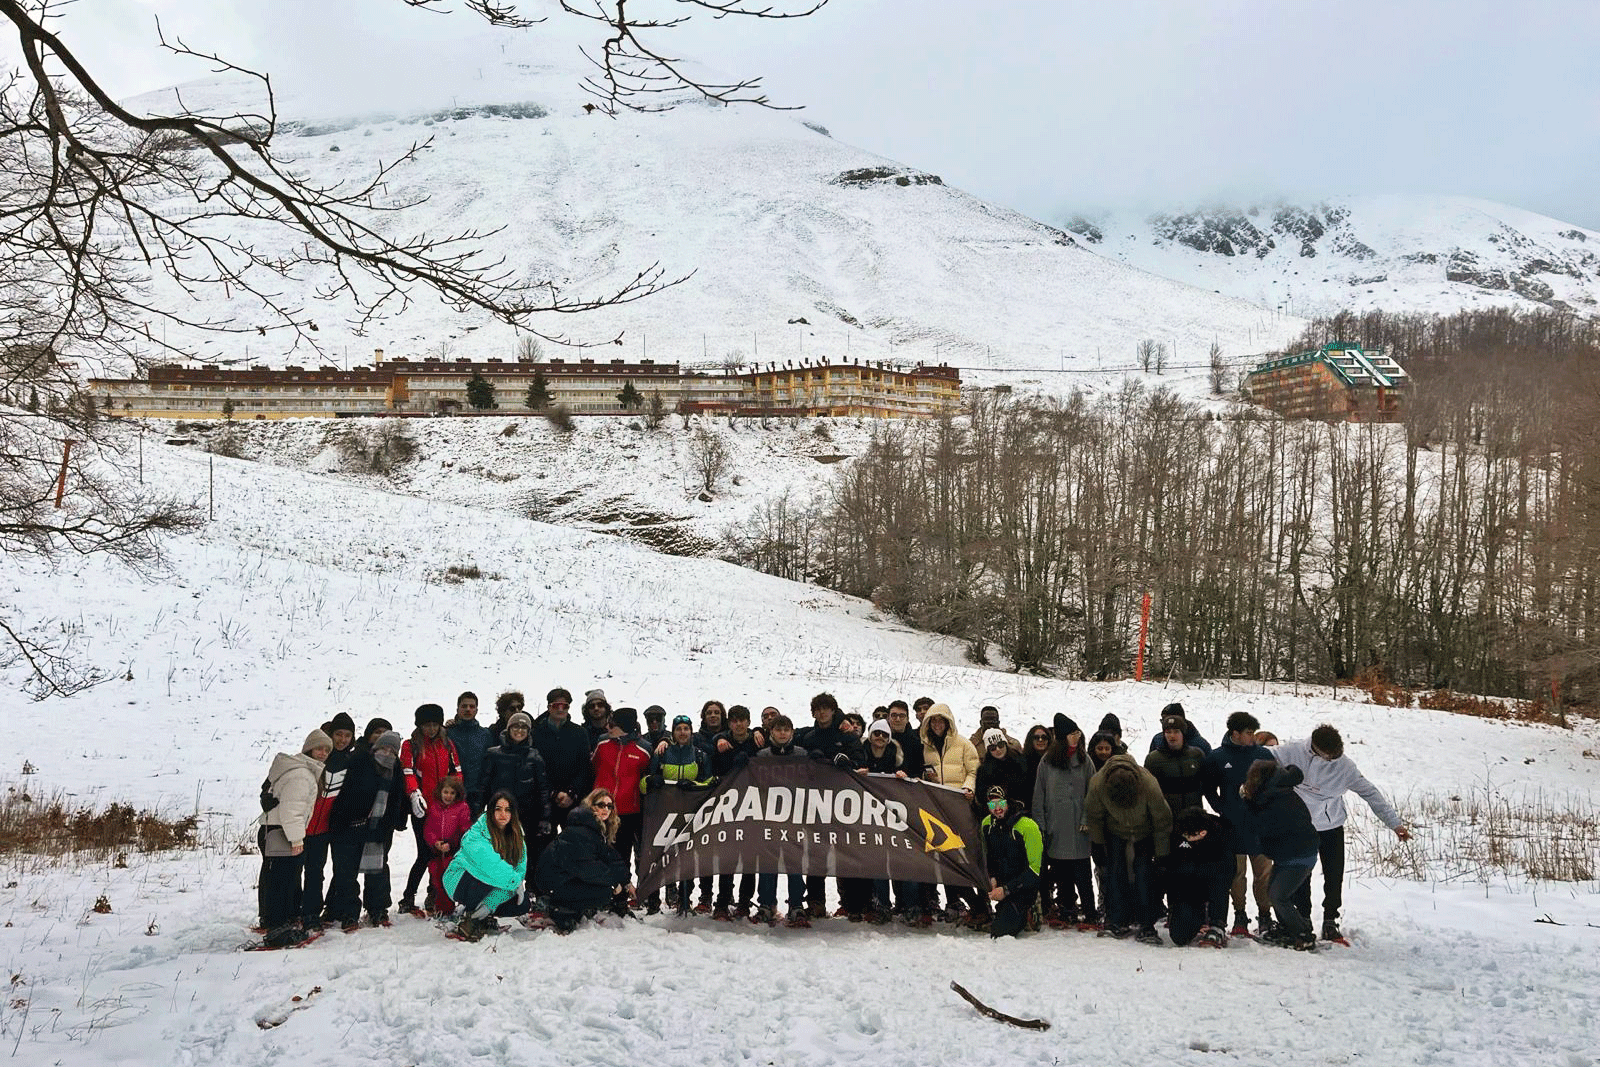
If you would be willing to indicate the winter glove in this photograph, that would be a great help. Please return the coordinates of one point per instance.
(655, 781)
(419, 807)
(842, 759)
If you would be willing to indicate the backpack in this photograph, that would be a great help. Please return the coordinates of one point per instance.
(268, 801)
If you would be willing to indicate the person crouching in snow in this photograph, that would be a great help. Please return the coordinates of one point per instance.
(447, 821)
(1012, 852)
(294, 781)
(1281, 822)
(580, 874)
(1198, 874)
(488, 868)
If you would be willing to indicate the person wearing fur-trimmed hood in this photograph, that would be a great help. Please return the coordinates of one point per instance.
(294, 781)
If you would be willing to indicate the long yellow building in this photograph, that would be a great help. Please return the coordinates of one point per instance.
(434, 386)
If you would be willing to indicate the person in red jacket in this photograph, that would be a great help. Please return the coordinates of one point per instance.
(427, 759)
(620, 762)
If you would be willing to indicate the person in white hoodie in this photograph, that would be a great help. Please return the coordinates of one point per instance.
(1329, 775)
(293, 783)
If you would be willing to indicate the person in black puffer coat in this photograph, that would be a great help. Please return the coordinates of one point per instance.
(357, 820)
(566, 748)
(1282, 823)
(825, 741)
(1197, 873)
(516, 767)
(579, 873)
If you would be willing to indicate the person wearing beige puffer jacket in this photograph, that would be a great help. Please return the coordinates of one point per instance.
(949, 760)
(293, 782)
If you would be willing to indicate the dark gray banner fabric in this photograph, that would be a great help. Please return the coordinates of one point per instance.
(794, 815)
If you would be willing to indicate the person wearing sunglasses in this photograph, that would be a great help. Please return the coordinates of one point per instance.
(1012, 852)
(580, 873)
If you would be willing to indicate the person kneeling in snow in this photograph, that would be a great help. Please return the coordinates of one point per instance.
(1198, 874)
(580, 874)
(1012, 852)
(489, 867)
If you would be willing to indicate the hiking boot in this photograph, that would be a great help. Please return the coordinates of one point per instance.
(798, 919)
(1265, 926)
(379, 918)
(653, 906)
(722, 914)
(350, 926)
(1331, 931)
(469, 929)
(1212, 937)
(765, 914)
(1147, 935)
(1241, 928)
(1308, 943)
(286, 936)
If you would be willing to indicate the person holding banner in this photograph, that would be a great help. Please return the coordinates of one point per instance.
(780, 742)
(828, 739)
(949, 760)
(1012, 852)
(733, 747)
(682, 762)
(883, 756)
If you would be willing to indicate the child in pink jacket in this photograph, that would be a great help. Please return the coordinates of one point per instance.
(448, 819)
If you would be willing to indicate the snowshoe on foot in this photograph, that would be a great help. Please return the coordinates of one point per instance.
(378, 918)
(798, 919)
(766, 915)
(1148, 935)
(1331, 932)
(721, 913)
(468, 929)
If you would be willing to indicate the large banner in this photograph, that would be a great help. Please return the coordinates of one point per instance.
(796, 815)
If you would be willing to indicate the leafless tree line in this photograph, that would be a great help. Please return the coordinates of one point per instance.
(1456, 550)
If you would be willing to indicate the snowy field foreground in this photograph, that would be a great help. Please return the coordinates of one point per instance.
(308, 595)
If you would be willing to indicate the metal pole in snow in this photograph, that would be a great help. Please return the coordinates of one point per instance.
(211, 485)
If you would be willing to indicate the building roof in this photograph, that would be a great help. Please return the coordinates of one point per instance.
(1354, 365)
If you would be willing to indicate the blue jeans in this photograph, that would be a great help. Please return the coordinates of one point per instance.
(767, 890)
(1287, 878)
(1128, 901)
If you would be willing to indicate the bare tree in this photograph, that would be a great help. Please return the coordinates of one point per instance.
(708, 458)
(655, 410)
(1145, 353)
(528, 349)
(116, 224)
(1219, 369)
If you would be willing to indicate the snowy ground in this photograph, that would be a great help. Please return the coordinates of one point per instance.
(308, 595)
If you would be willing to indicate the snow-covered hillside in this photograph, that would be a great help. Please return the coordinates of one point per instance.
(1396, 253)
(798, 245)
(309, 595)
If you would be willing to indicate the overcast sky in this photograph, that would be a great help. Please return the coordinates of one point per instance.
(1051, 106)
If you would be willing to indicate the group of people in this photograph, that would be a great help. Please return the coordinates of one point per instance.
(541, 818)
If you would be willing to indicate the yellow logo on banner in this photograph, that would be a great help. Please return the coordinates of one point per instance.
(951, 840)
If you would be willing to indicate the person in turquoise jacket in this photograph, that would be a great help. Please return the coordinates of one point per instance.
(489, 867)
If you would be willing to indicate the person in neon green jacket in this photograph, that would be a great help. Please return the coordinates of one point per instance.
(489, 866)
(1013, 850)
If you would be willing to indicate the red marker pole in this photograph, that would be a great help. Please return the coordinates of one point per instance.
(1144, 634)
(61, 479)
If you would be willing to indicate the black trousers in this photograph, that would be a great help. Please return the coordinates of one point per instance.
(1011, 914)
(419, 866)
(629, 832)
(1330, 851)
(747, 890)
(1198, 904)
(350, 890)
(316, 866)
(1063, 881)
(278, 891)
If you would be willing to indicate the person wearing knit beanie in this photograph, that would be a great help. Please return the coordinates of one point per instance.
(315, 740)
(1062, 726)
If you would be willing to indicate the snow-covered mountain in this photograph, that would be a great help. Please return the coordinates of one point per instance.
(798, 245)
(1399, 253)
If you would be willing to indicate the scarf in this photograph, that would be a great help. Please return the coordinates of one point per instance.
(372, 853)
